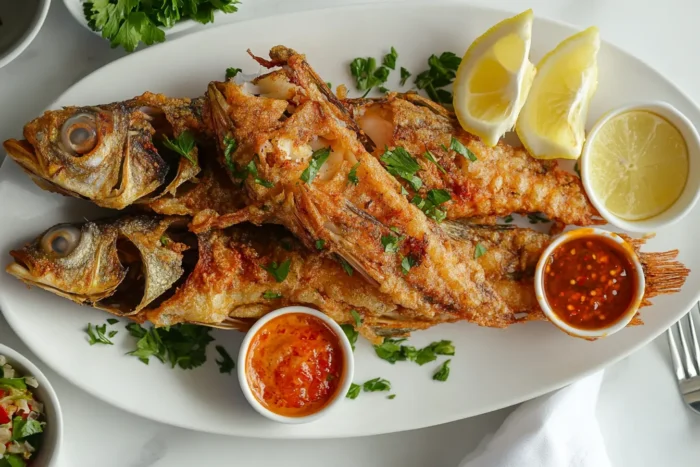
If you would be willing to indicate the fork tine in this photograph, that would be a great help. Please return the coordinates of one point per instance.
(689, 365)
(677, 365)
(694, 337)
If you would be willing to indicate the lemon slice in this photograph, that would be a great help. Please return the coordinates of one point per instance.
(494, 78)
(637, 165)
(551, 123)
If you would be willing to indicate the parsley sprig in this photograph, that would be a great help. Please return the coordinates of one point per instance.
(400, 163)
(430, 205)
(96, 334)
(366, 73)
(183, 145)
(318, 158)
(279, 272)
(226, 364)
(441, 72)
(182, 345)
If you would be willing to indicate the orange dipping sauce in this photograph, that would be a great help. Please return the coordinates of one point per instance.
(590, 282)
(294, 365)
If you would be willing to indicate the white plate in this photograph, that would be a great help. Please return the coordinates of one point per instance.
(492, 369)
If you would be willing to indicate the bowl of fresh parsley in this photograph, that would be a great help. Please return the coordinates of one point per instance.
(129, 23)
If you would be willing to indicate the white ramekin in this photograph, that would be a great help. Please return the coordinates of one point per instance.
(16, 48)
(690, 194)
(348, 366)
(563, 325)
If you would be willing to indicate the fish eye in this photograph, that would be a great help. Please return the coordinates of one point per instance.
(61, 240)
(79, 133)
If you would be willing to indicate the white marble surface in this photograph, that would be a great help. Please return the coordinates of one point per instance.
(642, 418)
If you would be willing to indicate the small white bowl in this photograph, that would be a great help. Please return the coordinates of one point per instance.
(21, 22)
(53, 431)
(685, 202)
(348, 366)
(590, 334)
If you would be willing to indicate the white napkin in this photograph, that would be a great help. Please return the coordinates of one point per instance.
(555, 430)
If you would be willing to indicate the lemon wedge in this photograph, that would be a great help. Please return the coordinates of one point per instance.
(636, 164)
(494, 78)
(551, 123)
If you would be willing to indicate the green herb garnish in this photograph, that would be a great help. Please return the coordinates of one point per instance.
(391, 243)
(270, 295)
(441, 72)
(537, 217)
(479, 251)
(318, 158)
(346, 266)
(577, 169)
(443, 372)
(391, 396)
(252, 169)
(278, 272)
(390, 59)
(354, 391)
(230, 146)
(430, 204)
(112, 320)
(351, 333)
(112, 334)
(393, 351)
(96, 335)
(367, 75)
(407, 263)
(429, 155)
(127, 22)
(376, 384)
(356, 316)
(352, 175)
(405, 74)
(183, 145)
(232, 72)
(508, 219)
(226, 363)
(384, 90)
(320, 243)
(164, 240)
(400, 163)
(182, 345)
(459, 148)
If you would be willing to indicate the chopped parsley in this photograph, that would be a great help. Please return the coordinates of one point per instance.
(391, 243)
(430, 352)
(96, 335)
(226, 364)
(407, 263)
(356, 316)
(393, 350)
(390, 59)
(279, 272)
(405, 74)
(164, 240)
(320, 243)
(318, 158)
(376, 384)
(508, 219)
(577, 169)
(367, 75)
(537, 217)
(459, 148)
(384, 90)
(430, 204)
(183, 145)
(232, 72)
(270, 295)
(329, 84)
(352, 175)
(351, 333)
(429, 155)
(182, 345)
(479, 251)
(443, 372)
(391, 396)
(112, 334)
(252, 169)
(400, 163)
(112, 320)
(346, 266)
(441, 72)
(230, 146)
(354, 391)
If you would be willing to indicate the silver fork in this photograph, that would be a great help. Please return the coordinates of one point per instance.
(687, 364)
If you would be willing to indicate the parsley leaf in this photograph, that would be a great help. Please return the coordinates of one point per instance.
(232, 72)
(537, 217)
(577, 169)
(346, 266)
(112, 320)
(356, 316)
(97, 335)
(390, 59)
(230, 146)
(278, 272)
(183, 145)
(351, 333)
(384, 90)
(429, 155)
(318, 158)
(22, 428)
(270, 295)
(391, 396)
(367, 75)
(226, 363)
(479, 251)
(430, 204)
(391, 243)
(352, 175)
(376, 384)
(182, 345)
(441, 72)
(391, 351)
(508, 219)
(252, 169)
(320, 243)
(400, 163)
(459, 148)
(407, 263)
(112, 334)
(354, 391)
(443, 372)
(405, 74)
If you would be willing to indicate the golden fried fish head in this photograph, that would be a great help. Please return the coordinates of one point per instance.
(120, 266)
(105, 154)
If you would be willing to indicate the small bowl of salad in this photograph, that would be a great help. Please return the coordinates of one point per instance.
(31, 424)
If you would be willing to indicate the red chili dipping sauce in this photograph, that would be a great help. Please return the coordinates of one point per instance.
(590, 282)
(294, 365)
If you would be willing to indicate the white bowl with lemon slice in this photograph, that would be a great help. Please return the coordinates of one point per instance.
(640, 166)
